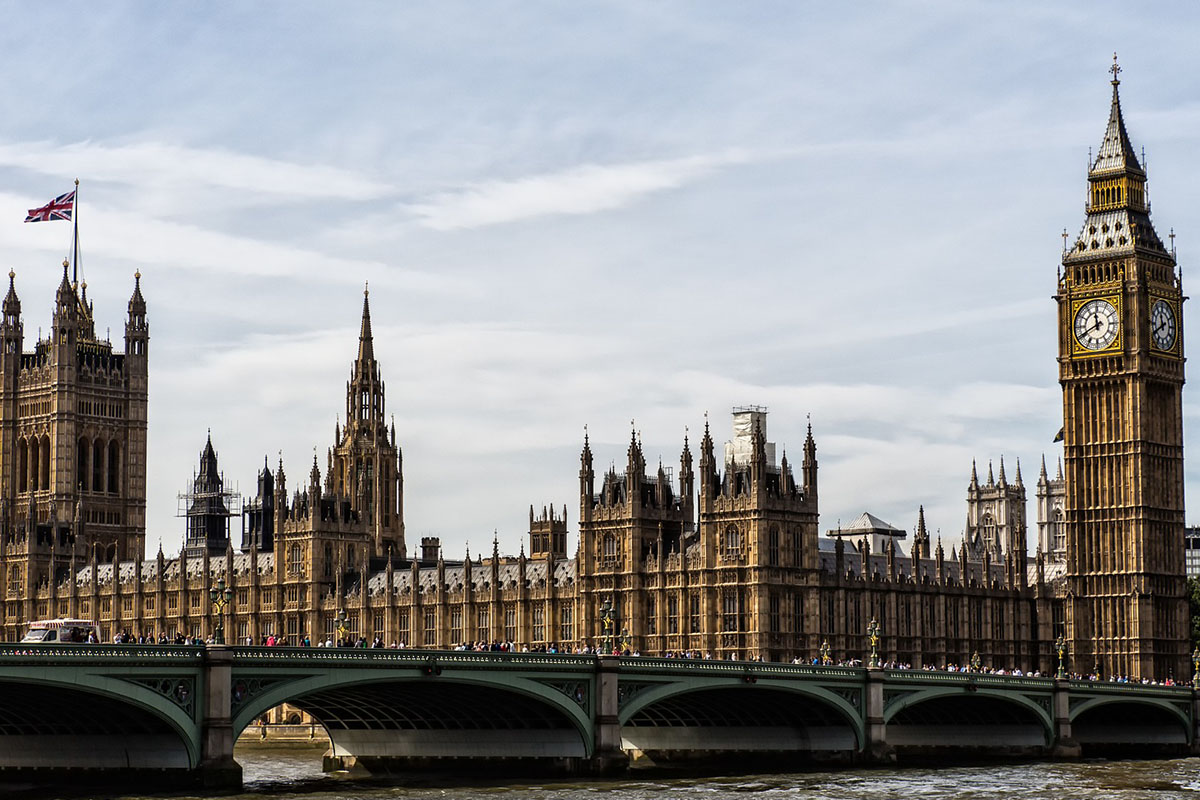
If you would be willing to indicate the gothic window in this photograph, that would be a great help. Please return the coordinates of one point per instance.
(83, 450)
(610, 547)
(349, 556)
(377, 623)
(773, 546)
(403, 620)
(114, 467)
(673, 614)
(295, 560)
(988, 525)
(773, 613)
(566, 627)
(97, 466)
(539, 623)
(797, 549)
(328, 560)
(732, 544)
(510, 623)
(430, 627)
(694, 614)
(731, 611)
(14, 581)
(1058, 531)
(651, 616)
(798, 613)
(35, 452)
(23, 466)
(483, 626)
(456, 620)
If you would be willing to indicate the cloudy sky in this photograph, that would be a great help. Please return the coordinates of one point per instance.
(585, 214)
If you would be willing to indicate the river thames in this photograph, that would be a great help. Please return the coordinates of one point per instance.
(282, 773)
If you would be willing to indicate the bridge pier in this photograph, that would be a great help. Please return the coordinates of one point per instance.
(1064, 744)
(217, 769)
(610, 757)
(877, 751)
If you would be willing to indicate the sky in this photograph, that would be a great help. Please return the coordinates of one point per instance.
(589, 214)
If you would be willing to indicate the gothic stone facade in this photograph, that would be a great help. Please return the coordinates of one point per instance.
(726, 560)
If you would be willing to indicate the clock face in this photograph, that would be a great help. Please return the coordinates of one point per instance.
(1162, 325)
(1096, 324)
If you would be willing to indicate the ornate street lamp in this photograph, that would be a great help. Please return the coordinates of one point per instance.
(873, 633)
(221, 597)
(976, 662)
(607, 615)
(826, 658)
(340, 625)
(1196, 668)
(1060, 644)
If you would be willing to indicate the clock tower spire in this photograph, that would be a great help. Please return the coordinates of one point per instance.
(1121, 369)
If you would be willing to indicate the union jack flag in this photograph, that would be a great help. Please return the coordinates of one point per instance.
(58, 208)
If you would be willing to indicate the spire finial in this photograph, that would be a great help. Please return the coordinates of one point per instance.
(1115, 69)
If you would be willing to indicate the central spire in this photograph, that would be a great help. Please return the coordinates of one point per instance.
(366, 346)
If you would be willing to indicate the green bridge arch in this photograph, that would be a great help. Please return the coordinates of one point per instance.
(683, 685)
(1172, 709)
(181, 717)
(296, 688)
(1014, 698)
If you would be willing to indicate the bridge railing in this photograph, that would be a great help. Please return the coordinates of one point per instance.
(976, 678)
(17, 653)
(392, 658)
(722, 667)
(1142, 689)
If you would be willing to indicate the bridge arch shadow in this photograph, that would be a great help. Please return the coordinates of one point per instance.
(1129, 723)
(965, 718)
(112, 725)
(399, 722)
(696, 722)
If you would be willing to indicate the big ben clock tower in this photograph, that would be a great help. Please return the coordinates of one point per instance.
(1121, 368)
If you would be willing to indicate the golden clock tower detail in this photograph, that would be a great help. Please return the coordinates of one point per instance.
(1121, 368)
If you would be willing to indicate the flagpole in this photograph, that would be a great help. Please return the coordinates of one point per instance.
(75, 237)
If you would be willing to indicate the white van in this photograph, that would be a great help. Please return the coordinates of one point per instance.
(59, 631)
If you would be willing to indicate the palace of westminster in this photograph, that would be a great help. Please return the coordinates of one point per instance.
(727, 560)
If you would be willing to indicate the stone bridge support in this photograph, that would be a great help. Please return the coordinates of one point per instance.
(878, 751)
(217, 769)
(609, 757)
(1064, 745)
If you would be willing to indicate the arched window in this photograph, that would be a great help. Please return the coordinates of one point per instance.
(82, 451)
(1059, 531)
(295, 560)
(97, 466)
(773, 546)
(610, 546)
(733, 540)
(45, 462)
(35, 458)
(23, 466)
(989, 530)
(114, 467)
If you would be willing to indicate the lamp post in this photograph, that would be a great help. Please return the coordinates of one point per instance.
(221, 597)
(976, 662)
(826, 658)
(1060, 645)
(1196, 668)
(341, 627)
(606, 625)
(873, 634)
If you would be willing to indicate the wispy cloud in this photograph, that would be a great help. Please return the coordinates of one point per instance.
(151, 163)
(584, 189)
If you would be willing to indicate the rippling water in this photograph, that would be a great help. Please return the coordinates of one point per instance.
(271, 774)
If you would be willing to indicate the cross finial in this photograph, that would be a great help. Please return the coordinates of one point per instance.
(1172, 241)
(1064, 235)
(1115, 69)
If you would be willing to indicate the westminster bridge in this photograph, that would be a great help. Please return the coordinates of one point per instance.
(172, 713)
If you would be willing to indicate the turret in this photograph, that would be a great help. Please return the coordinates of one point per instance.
(137, 331)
